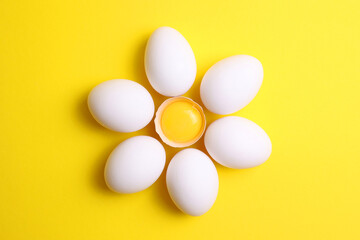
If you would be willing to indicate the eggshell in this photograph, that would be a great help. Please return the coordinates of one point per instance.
(192, 181)
(135, 164)
(121, 105)
(230, 84)
(169, 62)
(159, 131)
(237, 142)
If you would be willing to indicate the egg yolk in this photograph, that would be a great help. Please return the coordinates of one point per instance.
(182, 121)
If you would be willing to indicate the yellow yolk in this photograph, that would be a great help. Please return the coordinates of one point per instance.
(182, 121)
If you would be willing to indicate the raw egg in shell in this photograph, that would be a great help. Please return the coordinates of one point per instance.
(180, 122)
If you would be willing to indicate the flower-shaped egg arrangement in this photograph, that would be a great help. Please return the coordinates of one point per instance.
(126, 106)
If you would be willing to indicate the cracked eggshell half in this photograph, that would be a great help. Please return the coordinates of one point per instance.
(180, 122)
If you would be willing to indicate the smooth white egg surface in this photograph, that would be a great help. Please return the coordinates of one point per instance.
(192, 181)
(135, 164)
(237, 142)
(169, 62)
(121, 105)
(230, 84)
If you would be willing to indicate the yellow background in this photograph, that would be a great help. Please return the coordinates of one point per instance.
(53, 153)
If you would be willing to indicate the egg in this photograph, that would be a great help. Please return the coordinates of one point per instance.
(135, 164)
(180, 122)
(121, 105)
(230, 84)
(237, 142)
(192, 181)
(169, 62)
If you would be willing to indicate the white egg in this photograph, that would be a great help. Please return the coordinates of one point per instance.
(169, 62)
(121, 105)
(192, 181)
(230, 84)
(135, 164)
(237, 142)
